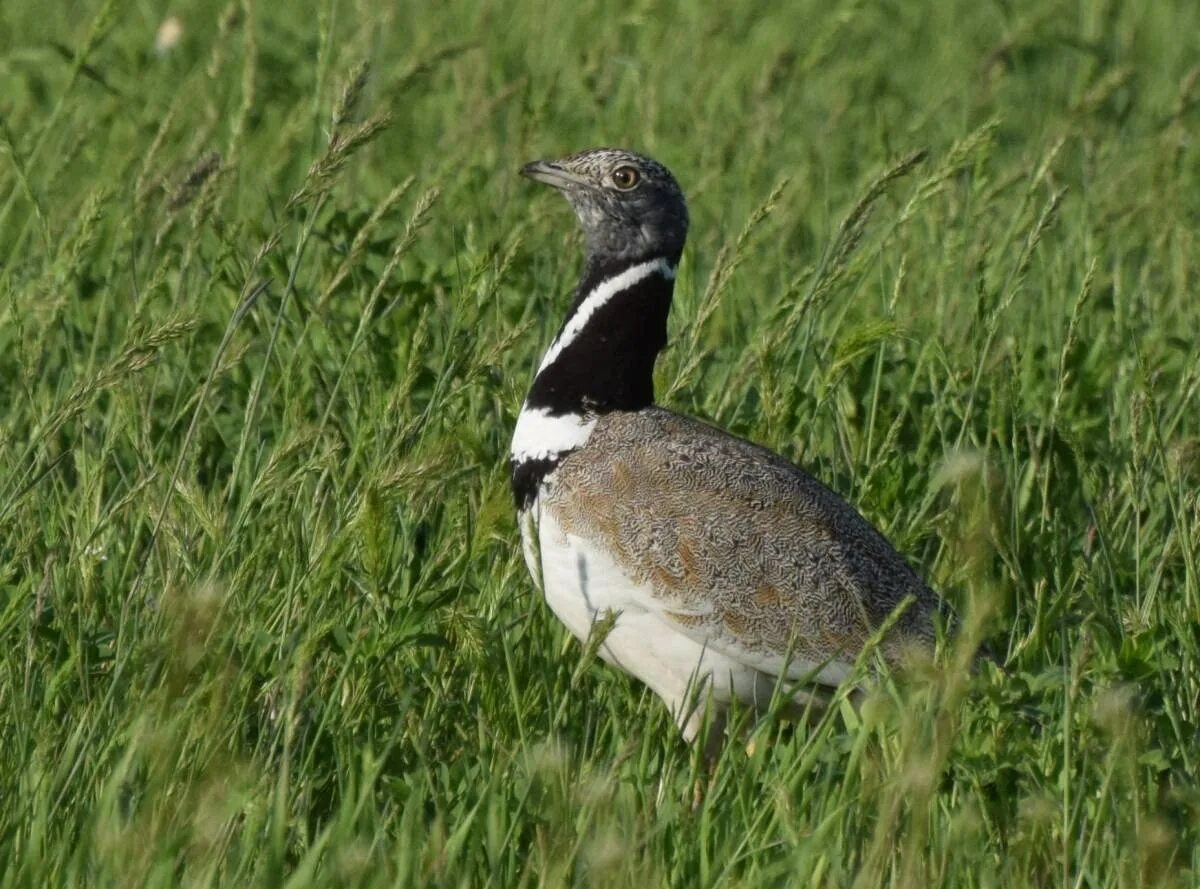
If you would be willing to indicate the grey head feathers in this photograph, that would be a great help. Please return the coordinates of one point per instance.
(629, 206)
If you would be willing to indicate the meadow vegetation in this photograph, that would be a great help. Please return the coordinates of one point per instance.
(271, 292)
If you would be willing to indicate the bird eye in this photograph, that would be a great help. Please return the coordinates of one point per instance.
(625, 178)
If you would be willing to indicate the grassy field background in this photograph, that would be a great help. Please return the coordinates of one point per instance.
(269, 299)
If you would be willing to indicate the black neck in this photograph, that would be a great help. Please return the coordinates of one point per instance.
(609, 365)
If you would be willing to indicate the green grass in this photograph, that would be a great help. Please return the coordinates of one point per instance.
(266, 318)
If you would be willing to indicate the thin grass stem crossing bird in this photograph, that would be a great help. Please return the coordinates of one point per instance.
(717, 568)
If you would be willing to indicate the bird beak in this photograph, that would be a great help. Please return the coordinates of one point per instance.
(551, 173)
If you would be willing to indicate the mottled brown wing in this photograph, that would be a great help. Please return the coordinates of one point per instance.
(737, 547)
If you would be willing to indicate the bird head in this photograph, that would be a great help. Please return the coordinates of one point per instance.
(630, 207)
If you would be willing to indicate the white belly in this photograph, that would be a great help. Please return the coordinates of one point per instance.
(583, 585)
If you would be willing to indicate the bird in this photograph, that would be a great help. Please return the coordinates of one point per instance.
(715, 568)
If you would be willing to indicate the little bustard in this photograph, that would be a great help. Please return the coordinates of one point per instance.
(721, 567)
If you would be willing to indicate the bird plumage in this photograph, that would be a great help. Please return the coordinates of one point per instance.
(725, 566)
